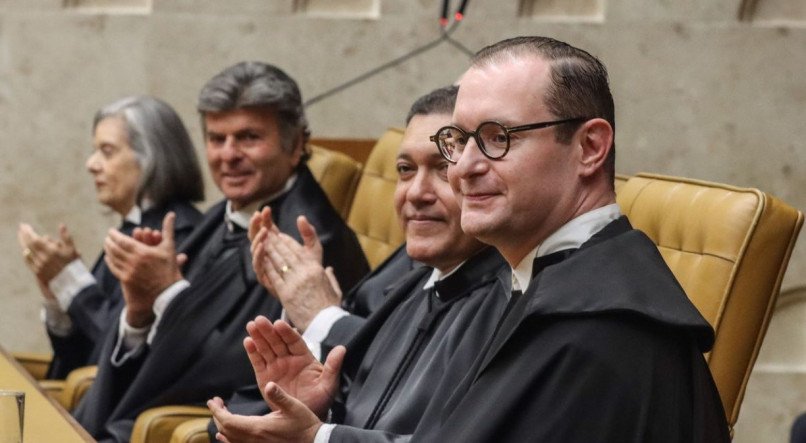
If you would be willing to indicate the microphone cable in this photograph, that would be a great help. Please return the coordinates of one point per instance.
(444, 36)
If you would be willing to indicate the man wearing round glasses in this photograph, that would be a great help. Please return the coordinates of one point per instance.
(598, 342)
(491, 137)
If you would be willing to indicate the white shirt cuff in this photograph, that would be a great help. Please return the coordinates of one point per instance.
(323, 434)
(131, 341)
(69, 282)
(321, 324)
(161, 304)
(56, 320)
(320, 327)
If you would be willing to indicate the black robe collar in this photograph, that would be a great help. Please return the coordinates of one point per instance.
(619, 270)
(476, 271)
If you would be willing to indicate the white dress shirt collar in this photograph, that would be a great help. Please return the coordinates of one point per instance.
(570, 236)
(135, 215)
(242, 216)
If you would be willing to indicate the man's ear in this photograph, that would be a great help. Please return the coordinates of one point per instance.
(596, 141)
(299, 149)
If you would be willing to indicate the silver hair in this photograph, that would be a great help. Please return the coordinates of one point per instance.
(259, 85)
(162, 146)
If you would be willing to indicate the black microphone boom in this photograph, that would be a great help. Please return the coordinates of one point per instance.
(445, 36)
(460, 13)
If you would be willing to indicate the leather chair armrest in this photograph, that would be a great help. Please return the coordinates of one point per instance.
(35, 363)
(54, 389)
(76, 385)
(158, 424)
(192, 431)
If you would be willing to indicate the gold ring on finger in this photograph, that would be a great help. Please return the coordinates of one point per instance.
(284, 269)
(27, 253)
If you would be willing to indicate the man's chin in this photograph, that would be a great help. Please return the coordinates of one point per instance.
(475, 224)
(422, 252)
(239, 199)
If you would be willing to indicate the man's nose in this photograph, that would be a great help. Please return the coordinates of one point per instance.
(422, 189)
(470, 160)
(230, 151)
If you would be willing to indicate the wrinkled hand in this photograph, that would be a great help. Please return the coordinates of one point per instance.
(296, 276)
(289, 421)
(279, 354)
(143, 268)
(45, 256)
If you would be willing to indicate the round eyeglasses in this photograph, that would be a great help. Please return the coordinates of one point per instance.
(491, 137)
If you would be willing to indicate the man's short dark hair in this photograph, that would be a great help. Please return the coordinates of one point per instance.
(579, 82)
(438, 101)
(258, 85)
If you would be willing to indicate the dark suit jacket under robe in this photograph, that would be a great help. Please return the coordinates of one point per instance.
(197, 352)
(603, 346)
(365, 298)
(414, 343)
(96, 307)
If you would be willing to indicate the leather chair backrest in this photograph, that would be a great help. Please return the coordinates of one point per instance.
(337, 174)
(372, 215)
(729, 248)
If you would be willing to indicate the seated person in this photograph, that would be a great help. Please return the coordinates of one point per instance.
(432, 325)
(599, 343)
(144, 165)
(180, 323)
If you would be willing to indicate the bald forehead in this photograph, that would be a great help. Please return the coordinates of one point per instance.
(507, 89)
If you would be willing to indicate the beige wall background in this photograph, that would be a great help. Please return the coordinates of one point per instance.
(712, 90)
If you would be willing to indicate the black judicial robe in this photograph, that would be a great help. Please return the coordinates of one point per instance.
(368, 297)
(197, 352)
(365, 298)
(96, 307)
(603, 346)
(414, 343)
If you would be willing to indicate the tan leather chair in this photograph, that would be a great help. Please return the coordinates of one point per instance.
(729, 248)
(192, 431)
(337, 174)
(34, 363)
(77, 384)
(619, 181)
(156, 425)
(66, 392)
(372, 215)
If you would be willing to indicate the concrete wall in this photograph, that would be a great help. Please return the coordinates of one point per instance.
(712, 90)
